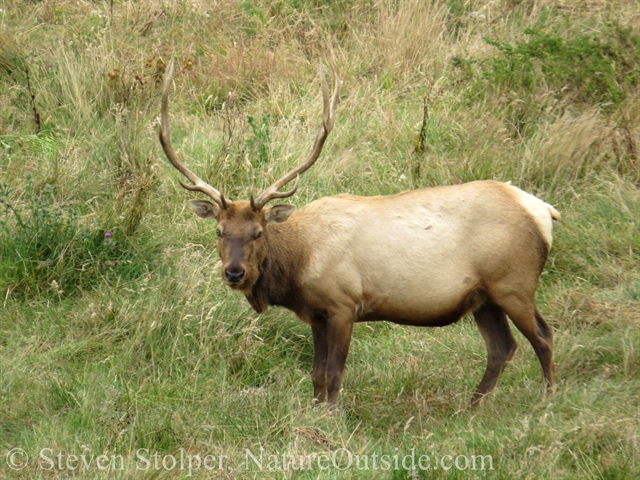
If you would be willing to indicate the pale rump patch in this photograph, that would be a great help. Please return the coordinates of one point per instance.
(542, 212)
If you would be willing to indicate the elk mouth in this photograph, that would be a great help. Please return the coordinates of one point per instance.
(235, 285)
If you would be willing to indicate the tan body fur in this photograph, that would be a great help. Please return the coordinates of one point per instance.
(414, 257)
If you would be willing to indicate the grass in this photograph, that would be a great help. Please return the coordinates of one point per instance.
(110, 345)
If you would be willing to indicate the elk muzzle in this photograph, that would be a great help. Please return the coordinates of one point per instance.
(234, 275)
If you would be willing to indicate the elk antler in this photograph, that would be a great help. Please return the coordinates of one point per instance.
(328, 119)
(199, 185)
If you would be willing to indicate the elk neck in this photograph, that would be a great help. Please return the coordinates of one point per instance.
(281, 268)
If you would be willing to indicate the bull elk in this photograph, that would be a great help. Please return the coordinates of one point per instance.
(423, 258)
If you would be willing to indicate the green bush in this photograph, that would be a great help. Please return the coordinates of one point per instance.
(595, 67)
(46, 249)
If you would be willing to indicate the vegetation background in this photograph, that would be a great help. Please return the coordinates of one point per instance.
(109, 344)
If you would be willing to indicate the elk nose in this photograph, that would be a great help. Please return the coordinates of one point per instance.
(234, 275)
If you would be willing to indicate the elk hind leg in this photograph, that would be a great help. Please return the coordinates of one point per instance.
(494, 327)
(528, 320)
(545, 349)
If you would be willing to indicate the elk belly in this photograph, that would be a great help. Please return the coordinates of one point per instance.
(423, 293)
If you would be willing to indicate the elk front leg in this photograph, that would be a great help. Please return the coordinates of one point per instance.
(320, 352)
(339, 329)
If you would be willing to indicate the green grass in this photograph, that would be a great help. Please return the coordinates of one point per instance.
(109, 346)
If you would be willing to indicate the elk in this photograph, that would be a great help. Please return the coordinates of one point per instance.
(424, 258)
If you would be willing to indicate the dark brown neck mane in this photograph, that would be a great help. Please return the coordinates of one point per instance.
(285, 259)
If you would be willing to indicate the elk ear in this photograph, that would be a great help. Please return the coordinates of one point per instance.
(205, 209)
(278, 213)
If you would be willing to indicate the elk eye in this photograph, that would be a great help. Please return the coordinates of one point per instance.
(218, 233)
(259, 234)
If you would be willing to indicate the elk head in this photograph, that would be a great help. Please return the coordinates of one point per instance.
(242, 225)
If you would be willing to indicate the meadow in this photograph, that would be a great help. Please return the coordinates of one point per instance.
(123, 354)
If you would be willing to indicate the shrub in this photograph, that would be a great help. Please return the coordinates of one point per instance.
(594, 67)
(46, 249)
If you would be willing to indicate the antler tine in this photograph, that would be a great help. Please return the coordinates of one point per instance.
(328, 119)
(199, 185)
